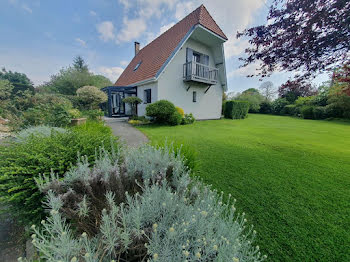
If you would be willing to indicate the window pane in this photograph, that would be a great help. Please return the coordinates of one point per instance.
(194, 96)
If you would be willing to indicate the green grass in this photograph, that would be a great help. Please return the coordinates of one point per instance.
(290, 176)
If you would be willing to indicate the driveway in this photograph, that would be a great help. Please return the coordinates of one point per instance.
(127, 133)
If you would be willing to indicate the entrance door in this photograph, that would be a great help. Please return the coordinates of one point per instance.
(118, 106)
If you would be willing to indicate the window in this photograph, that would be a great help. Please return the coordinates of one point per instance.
(196, 57)
(137, 66)
(147, 96)
(194, 96)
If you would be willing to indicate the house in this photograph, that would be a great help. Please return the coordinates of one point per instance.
(185, 65)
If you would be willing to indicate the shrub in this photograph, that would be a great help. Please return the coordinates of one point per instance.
(223, 107)
(278, 104)
(45, 109)
(38, 131)
(319, 112)
(53, 115)
(141, 118)
(265, 107)
(236, 109)
(307, 112)
(188, 119)
(21, 163)
(161, 111)
(74, 113)
(333, 110)
(180, 110)
(135, 122)
(93, 114)
(90, 97)
(175, 119)
(133, 101)
(305, 101)
(290, 110)
(162, 220)
(187, 153)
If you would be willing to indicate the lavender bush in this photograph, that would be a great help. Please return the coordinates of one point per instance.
(166, 216)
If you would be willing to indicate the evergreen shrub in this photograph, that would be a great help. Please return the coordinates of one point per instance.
(236, 109)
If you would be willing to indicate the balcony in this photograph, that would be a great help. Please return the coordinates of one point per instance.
(196, 72)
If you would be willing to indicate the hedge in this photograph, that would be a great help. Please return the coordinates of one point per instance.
(236, 109)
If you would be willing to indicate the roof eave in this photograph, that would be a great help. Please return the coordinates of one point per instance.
(213, 33)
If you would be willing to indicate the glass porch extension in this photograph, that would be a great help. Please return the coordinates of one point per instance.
(197, 72)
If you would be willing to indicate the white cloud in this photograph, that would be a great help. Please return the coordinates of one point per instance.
(111, 72)
(80, 41)
(184, 8)
(92, 13)
(126, 3)
(135, 27)
(106, 30)
(166, 27)
(234, 47)
(124, 63)
(251, 69)
(132, 29)
(27, 9)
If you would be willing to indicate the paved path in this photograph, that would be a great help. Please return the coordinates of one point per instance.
(127, 133)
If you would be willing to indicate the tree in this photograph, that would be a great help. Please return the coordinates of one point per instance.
(20, 82)
(70, 79)
(100, 81)
(342, 77)
(291, 90)
(267, 90)
(5, 89)
(90, 97)
(303, 35)
(133, 101)
(79, 64)
(254, 98)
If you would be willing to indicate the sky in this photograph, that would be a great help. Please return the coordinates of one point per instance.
(39, 37)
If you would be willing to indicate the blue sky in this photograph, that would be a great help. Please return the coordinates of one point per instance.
(40, 37)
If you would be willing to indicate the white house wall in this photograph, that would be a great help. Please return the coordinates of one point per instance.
(172, 87)
(141, 108)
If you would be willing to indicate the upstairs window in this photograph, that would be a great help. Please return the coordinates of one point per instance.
(137, 66)
(147, 96)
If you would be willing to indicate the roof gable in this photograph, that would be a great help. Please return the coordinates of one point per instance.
(155, 54)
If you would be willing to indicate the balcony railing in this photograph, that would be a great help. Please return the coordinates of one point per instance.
(197, 72)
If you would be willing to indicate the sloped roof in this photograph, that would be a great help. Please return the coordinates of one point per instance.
(155, 54)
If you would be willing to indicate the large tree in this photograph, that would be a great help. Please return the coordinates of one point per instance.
(301, 35)
(291, 90)
(70, 79)
(254, 98)
(20, 82)
(267, 90)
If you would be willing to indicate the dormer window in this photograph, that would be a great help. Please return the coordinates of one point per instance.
(137, 66)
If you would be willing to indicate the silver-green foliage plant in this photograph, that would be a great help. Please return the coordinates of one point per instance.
(170, 217)
(39, 131)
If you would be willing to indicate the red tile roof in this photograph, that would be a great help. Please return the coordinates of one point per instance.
(155, 54)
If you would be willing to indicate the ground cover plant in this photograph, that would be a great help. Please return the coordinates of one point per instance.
(139, 206)
(34, 154)
(291, 177)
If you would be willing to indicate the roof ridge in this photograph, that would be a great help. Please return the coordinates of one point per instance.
(196, 10)
(204, 8)
(156, 53)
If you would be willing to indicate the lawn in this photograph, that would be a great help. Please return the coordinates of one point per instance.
(290, 176)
